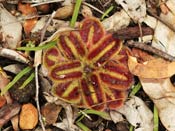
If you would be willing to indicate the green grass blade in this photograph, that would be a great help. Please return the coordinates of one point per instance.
(107, 12)
(99, 113)
(46, 46)
(135, 89)
(75, 13)
(82, 126)
(16, 78)
(131, 128)
(27, 81)
(156, 119)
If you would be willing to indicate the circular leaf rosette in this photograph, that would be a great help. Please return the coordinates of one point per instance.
(88, 67)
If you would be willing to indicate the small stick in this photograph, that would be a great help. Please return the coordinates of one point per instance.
(151, 49)
(36, 71)
(132, 32)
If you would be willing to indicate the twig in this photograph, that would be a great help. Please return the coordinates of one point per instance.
(161, 20)
(89, 5)
(36, 70)
(151, 49)
(41, 2)
(132, 32)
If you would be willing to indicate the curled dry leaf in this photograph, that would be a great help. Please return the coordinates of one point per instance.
(135, 8)
(11, 29)
(28, 118)
(64, 12)
(156, 68)
(162, 92)
(136, 112)
(28, 11)
(117, 21)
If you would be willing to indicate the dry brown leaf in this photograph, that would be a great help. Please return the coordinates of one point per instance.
(28, 116)
(157, 68)
(50, 112)
(27, 10)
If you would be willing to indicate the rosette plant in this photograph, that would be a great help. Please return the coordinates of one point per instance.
(88, 67)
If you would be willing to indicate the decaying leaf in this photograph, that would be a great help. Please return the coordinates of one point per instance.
(29, 11)
(135, 8)
(156, 68)
(137, 113)
(28, 116)
(84, 69)
(50, 112)
(10, 28)
(67, 123)
(117, 21)
(161, 91)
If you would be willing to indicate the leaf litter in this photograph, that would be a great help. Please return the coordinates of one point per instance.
(105, 66)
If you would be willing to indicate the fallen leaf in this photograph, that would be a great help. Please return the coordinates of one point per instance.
(156, 68)
(11, 29)
(162, 92)
(136, 9)
(29, 11)
(117, 21)
(137, 113)
(50, 112)
(28, 118)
